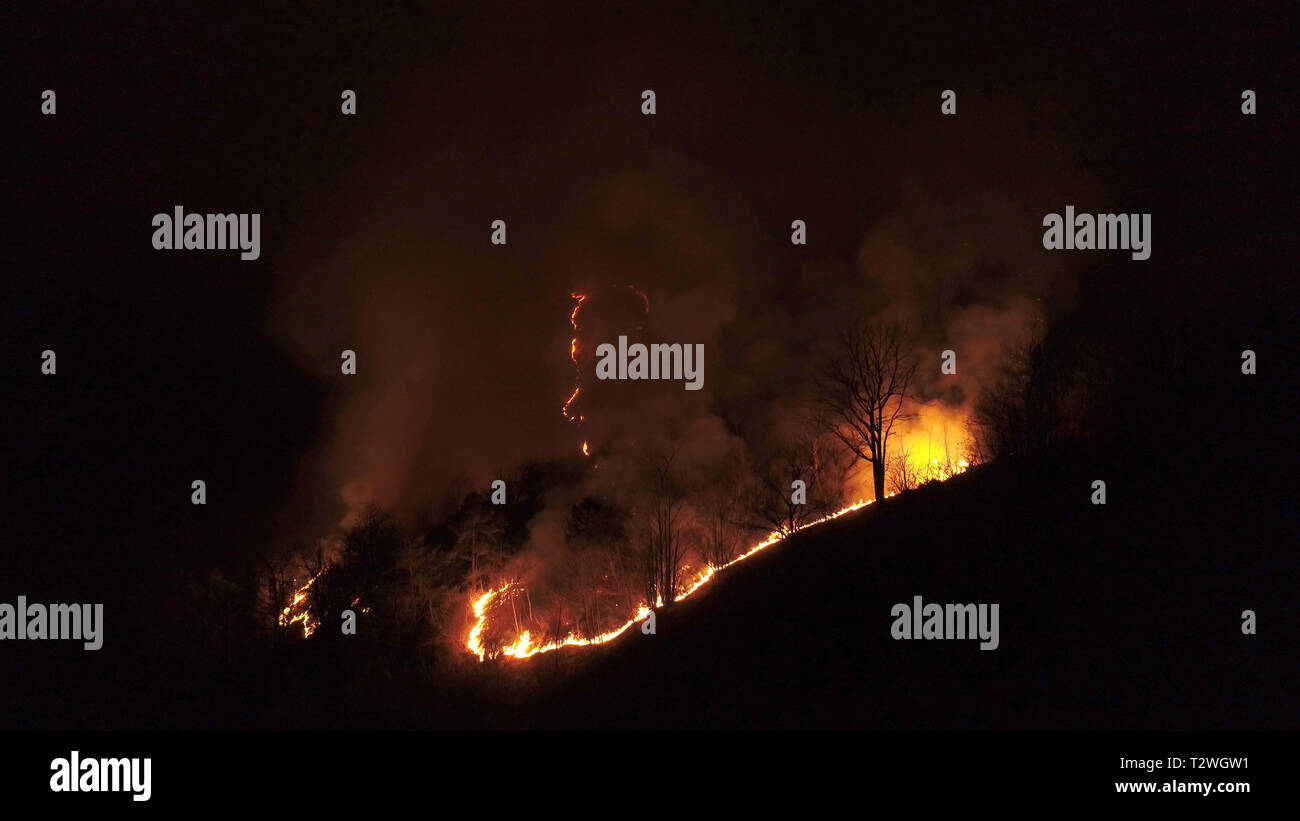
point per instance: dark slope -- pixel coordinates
(1122, 616)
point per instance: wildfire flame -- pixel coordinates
(303, 615)
(573, 356)
(579, 299)
(523, 647)
(931, 447)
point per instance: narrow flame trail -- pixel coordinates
(574, 347)
(523, 647)
(573, 357)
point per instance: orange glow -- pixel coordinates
(523, 647)
(475, 643)
(579, 300)
(936, 443)
(573, 317)
(565, 409)
(573, 357)
(303, 615)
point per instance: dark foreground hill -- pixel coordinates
(1127, 615)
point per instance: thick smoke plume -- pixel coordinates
(465, 349)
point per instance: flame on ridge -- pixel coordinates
(523, 646)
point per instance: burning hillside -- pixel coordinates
(523, 645)
(934, 463)
(597, 561)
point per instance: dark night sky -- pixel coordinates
(174, 366)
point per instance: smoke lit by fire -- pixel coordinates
(442, 405)
(524, 647)
(931, 444)
(934, 449)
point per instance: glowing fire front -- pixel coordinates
(297, 612)
(523, 646)
(928, 448)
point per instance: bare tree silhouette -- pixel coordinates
(863, 387)
(665, 522)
